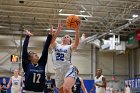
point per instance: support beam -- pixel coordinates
(93, 61)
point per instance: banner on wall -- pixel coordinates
(134, 83)
(131, 38)
(138, 34)
(138, 83)
(132, 42)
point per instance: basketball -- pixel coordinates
(72, 21)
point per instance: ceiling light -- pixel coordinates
(60, 10)
(82, 11)
(69, 30)
(111, 33)
(74, 14)
(134, 16)
(3, 27)
(50, 29)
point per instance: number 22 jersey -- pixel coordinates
(61, 55)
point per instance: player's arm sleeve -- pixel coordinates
(54, 83)
(44, 56)
(24, 52)
(76, 41)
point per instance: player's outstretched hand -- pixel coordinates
(59, 26)
(8, 86)
(51, 30)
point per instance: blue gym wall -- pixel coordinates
(88, 84)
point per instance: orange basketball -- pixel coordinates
(72, 21)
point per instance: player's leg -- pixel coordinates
(68, 83)
(60, 90)
(69, 80)
(59, 80)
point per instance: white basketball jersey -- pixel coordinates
(127, 90)
(16, 82)
(100, 82)
(61, 56)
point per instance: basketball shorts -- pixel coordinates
(62, 73)
(14, 90)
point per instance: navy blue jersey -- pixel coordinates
(77, 86)
(35, 73)
(49, 85)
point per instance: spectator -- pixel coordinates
(3, 86)
(100, 82)
(49, 84)
(127, 89)
(16, 81)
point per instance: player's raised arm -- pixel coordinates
(76, 42)
(44, 55)
(24, 50)
(25, 45)
(59, 28)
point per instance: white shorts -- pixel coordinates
(13, 90)
(62, 73)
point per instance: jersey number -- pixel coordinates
(75, 88)
(36, 78)
(60, 57)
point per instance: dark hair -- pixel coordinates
(70, 41)
(99, 69)
(77, 71)
(29, 55)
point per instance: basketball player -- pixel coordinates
(34, 67)
(78, 85)
(16, 81)
(100, 82)
(49, 84)
(65, 72)
(127, 89)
